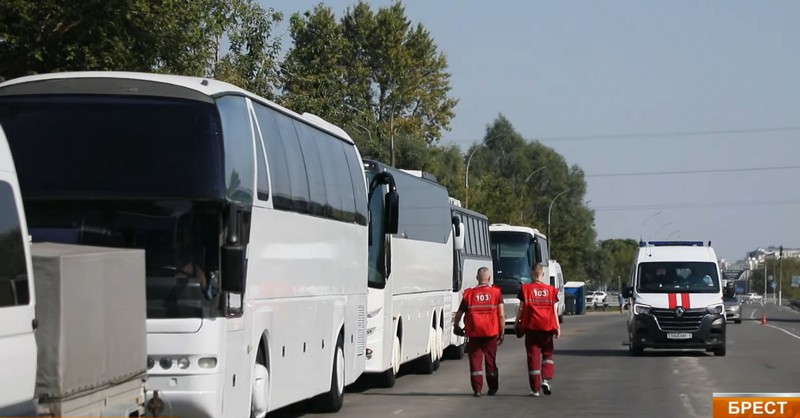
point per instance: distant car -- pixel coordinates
(597, 296)
(733, 309)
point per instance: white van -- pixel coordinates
(676, 298)
(17, 314)
(557, 281)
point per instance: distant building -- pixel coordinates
(760, 255)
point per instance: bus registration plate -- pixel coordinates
(679, 335)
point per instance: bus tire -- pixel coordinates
(426, 363)
(333, 399)
(455, 352)
(388, 377)
(259, 394)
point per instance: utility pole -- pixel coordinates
(780, 277)
(765, 282)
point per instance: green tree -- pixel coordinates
(373, 72)
(623, 252)
(252, 58)
(179, 37)
(516, 181)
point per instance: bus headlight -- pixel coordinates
(641, 309)
(207, 362)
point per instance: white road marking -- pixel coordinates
(688, 405)
(787, 332)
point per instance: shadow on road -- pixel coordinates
(451, 395)
(592, 352)
(623, 352)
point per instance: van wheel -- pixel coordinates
(720, 351)
(333, 399)
(561, 319)
(635, 350)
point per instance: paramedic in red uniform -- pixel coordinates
(484, 323)
(538, 319)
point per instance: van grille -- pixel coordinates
(669, 322)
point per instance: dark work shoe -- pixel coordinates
(476, 394)
(492, 392)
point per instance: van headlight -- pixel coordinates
(716, 309)
(641, 309)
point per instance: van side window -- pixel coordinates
(13, 270)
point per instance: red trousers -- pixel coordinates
(539, 347)
(478, 350)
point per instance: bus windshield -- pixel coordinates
(678, 277)
(105, 146)
(512, 257)
(127, 172)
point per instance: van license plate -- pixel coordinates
(679, 335)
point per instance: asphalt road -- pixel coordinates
(595, 375)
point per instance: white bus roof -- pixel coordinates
(205, 86)
(515, 228)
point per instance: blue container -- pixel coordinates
(580, 298)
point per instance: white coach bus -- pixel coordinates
(515, 249)
(253, 218)
(473, 254)
(410, 273)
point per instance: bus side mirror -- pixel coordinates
(233, 257)
(233, 268)
(458, 237)
(392, 209)
(537, 249)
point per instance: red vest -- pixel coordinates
(481, 319)
(537, 302)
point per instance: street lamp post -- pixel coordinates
(550, 210)
(661, 228)
(524, 187)
(466, 176)
(644, 224)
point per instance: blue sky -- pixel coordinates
(593, 68)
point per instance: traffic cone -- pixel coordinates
(763, 318)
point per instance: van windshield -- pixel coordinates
(678, 277)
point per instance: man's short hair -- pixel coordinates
(481, 271)
(537, 270)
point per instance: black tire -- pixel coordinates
(455, 353)
(386, 379)
(635, 350)
(720, 351)
(425, 364)
(561, 319)
(333, 399)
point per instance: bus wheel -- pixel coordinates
(258, 405)
(455, 352)
(425, 364)
(387, 378)
(333, 399)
